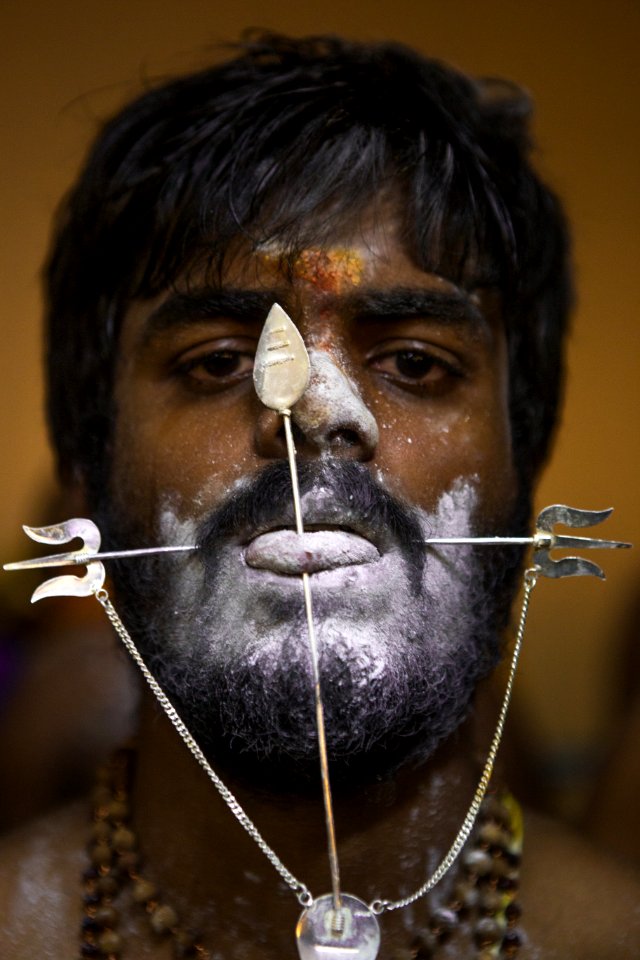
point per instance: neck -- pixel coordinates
(390, 835)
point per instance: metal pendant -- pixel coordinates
(281, 368)
(350, 933)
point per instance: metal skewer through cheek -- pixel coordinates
(543, 541)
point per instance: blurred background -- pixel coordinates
(64, 695)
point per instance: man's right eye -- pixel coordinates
(215, 368)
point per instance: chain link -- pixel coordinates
(303, 894)
(381, 906)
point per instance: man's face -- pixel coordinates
(407, 405)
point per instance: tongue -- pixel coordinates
(284, 551)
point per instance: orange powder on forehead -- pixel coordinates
(330, 271)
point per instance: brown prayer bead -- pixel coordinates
(491, 901)
(487, 932)
(163, 918)
(107, 886)
(513, 911)
(101, 830)
(106, 916)
(144, 890)
(444, 921)
(493, 834)
(123, 839)
(467, 895)
(118, 810)
(110, 942)
(477, 861)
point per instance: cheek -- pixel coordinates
(187, 462)
(420, 456)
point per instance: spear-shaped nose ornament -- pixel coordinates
(281, 367)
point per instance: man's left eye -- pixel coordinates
(415, 366)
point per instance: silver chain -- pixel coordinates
(302, 892)
(381, 906)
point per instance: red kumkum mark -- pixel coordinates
(331, 271)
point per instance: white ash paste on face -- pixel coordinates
(384, 652)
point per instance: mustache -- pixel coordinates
(351, 497)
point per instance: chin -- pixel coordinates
(390, 699)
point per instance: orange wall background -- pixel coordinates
(65, 64)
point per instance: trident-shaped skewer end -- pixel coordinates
(546, 540)
(68, 585)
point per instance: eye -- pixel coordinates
(221, 364)
(217, 365)
(416, 366)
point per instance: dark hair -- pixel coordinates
(285, 141)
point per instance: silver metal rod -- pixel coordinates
(79, 559)
(541, 540)
(141, 551)
(484, 541)
(322, 744)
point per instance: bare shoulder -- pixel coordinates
(40, 870)
(579, 901)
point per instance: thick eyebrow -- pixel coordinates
(182, 309)
(452, 306)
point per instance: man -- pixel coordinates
(387, 204)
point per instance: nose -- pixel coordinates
(330, 418)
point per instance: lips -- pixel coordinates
(289, 553)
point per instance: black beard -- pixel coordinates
(252, 711)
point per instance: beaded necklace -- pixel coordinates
(484, 896)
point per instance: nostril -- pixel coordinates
(343, 438)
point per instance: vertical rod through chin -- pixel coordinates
(322, 745)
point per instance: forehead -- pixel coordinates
(334, 248)
(330, 261)
(359, 269)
